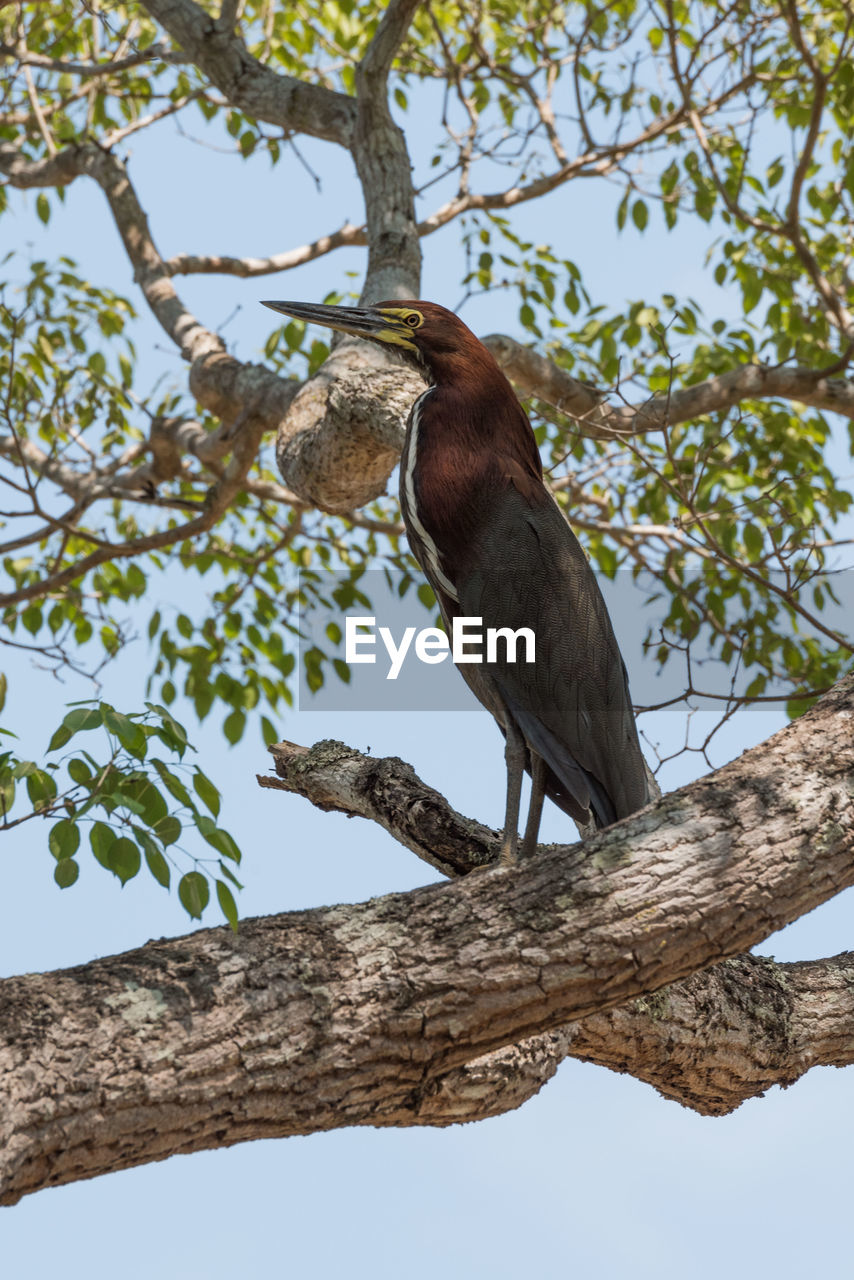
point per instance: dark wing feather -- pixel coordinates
(527, 569)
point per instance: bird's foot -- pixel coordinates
(507, 857)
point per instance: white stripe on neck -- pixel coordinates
(431, 551)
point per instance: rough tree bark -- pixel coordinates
(455, 1001)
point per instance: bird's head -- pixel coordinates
(424, 334)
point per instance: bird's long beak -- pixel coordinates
(382, 324)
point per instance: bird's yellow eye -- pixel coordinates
(401, 317)
(405, 315)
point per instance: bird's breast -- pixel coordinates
(461, 456)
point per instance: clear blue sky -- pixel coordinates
(596, 1176)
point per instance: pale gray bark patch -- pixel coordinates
(341, 438)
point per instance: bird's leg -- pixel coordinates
(535, 807)
(514, 755)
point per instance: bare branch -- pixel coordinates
(143, 122)
(202, 264)
(47, 136)
(154, 53)
(333, 776)
(217, 501)
(592, 164)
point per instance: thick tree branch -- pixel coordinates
(54, 171)
(340, 441)
(709, 1042)
(356, 1015)
(388, 37)
(248, 85)
(385, 170)
(536, 375)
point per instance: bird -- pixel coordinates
(493, 544)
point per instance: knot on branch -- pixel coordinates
(341, 437)
(169, 440)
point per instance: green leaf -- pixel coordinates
(219, 839)
(227, 904)
(206, 791)
(194, 893)
(753, 541)
(130, 735)
(229, 875)
(60, 737)
(234, 726)
(66, 872)
(43, 207)
(174, 733)
(82, 718)
(172, 784)
(622, 210)
(341, 670)
(7, 793)
(101, 838)
(123, 859)
(77, 720)
(640, 215)
(138, 793)
(63, 839)
(167, 829)
(154, 859)
(79, 771)
(41, 788)
(4, 685)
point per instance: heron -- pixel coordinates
(493, 544)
